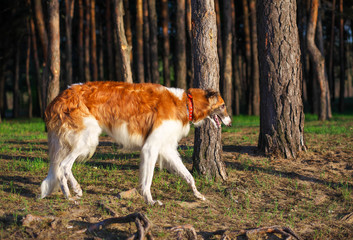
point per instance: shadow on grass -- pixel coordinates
(104, 233)
(13, 187)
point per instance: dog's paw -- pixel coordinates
(200, 196)
(155, 203)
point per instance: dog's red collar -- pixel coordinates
(190, 106)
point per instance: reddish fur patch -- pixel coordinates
(142, 106)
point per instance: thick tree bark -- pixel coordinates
(247, 40)
(53, 66)
(146, 42)
(153, 40)
(342, 58)
(180, 48)
(81, 49)
(109, 39)
(282, 115)
(227, 56)
(87, 40)
(28, 83)
(190, 61)
(318, 60)
(255, 62)
(69, 13)
(94, 42)
(208, 147)
(331, 73)
(16, 84)
(139, 39)
(123, 47)
(166, 46)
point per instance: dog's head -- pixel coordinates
(209, 104)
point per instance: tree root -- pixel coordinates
(143, 225)
(185, 231)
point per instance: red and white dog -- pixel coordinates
(149, 117)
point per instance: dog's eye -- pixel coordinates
(222, 106)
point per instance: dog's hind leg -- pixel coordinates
(149, 156)
(175, 164)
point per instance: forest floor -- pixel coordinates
(312, 195)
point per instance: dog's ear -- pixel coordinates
(212, 96)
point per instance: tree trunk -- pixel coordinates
(127, 21)
(342, 58)
(208, 147)
(153, 40)
(255, 62)
(236, 70)
(53, 65)
(219, 33)
(81, 49)
(87, 41)
(94, 42)
(190, 61)
(180, 48)
(41, 29)
(282, 115)
(139, 39)
(109, 38)
(247, 40)
(101, 51)
(16, 84)
(318, 59)
(331, 73)
(227, 55)
(28, 83)
(37, 65)
(166, 47)
(123, 47)
(146, 42)
(69, 13)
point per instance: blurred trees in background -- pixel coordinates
(158, 48)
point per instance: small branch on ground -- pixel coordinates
(143, 225)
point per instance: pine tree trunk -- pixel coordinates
(236, 70)
(219, 33)
(342, 58)
(16, 84)
(255, 63)
(127, 21)
(53, 66)
(101, 51)
(331, 73)
(109, 39)
(123, 47)
(139, 39)
(247, 40)
(180, 48)
(318, 60)
(153, 40)
(146, 42)
(41, 28)
(190, 61)
(166, 47)
(227, 56)
(69, 13)
(87, 41)
(81, 49)
(28, 83)
(94, 42)
(282, 115)
(208, 147)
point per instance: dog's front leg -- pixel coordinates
(149, 155)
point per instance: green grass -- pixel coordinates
(22, 130)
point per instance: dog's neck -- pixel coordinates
(189, 106)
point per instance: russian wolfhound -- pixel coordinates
(148, 117)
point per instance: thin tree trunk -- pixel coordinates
(2, 89)
(331, 73)
(208, 147)
(41, 29)
(28, 83)
(123, 47)
(317, 58)
(16, 85)
(127, 21)
(146, 42)
(219, 33)
(153, 40)
(236, 70)
(69, 13)
(108, 20)
(81, 49)
(342, 58)
(118, 69)
(282, 111)
(94, 42)
(247, 40)
(180, 48)
(139, 39)
(87, 41)
(227, 55)
(255, 63)
(190, 61)
(166, 46)
(100, 50)
(53, 65)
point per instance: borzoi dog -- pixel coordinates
(148, 117)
